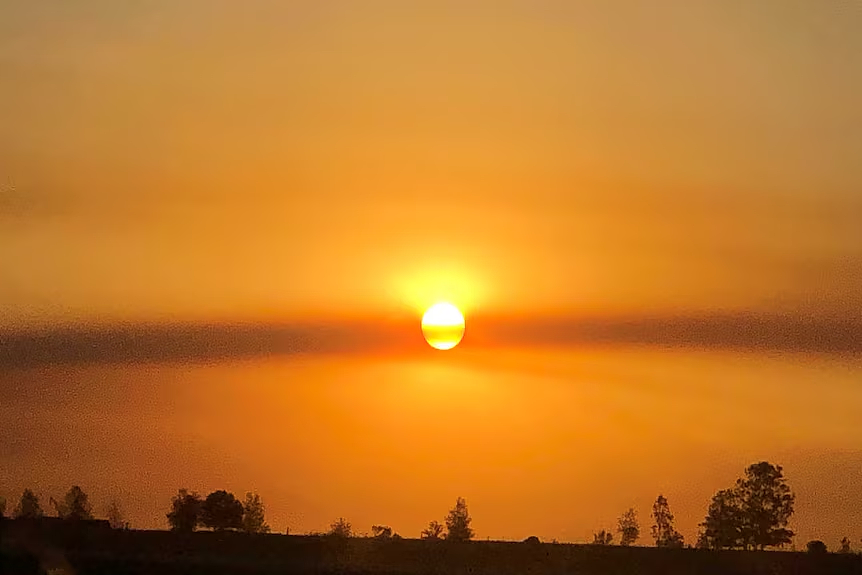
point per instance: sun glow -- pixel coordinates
(443, 326)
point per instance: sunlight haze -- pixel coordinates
(235, 214)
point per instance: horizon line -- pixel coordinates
(203, 342)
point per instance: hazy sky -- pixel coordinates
(276, 162)
(269, 159)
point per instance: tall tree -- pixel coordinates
(845, 546)
(185, 511)
(754, 514)
(253, 520)
(434, 531)
(722, 528)
(340, 528)
(458, 522)
(29, 507)
(767, 505)
(75, 505)
(603, 538)
(2, 507)
(663, 530)
(221, 510)
(115, 516)
(628, 527)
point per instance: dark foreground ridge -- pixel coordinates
(93, 548)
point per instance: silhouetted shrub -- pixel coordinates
(816, 546)
(603, 538)
(340, 528)
(433, 532)
(381, 532)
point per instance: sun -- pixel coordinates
(443, 326)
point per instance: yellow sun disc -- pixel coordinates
(443, 326)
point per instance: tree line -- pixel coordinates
(74, 506)
(219, 511)
(663, 530)
(752, 514)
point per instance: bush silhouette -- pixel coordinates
(816, 546)
(434, 531)
(340, 528)
(383, 532)
(603, 538)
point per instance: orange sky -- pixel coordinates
(275, 162)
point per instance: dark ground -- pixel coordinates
(95, 549)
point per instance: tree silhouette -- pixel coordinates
(115, 517)
(845, 546)
(663, 530)
(628, 527)
(722, 528)
(185, 511)
(754, 514)
(221, 510)
(458, 522)
(603, 538)
(75, 505)
(767, 505)
(253, 520)
(340, 528)
(28, 507)
(434, 531)
(2, 507)
(816, 546)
